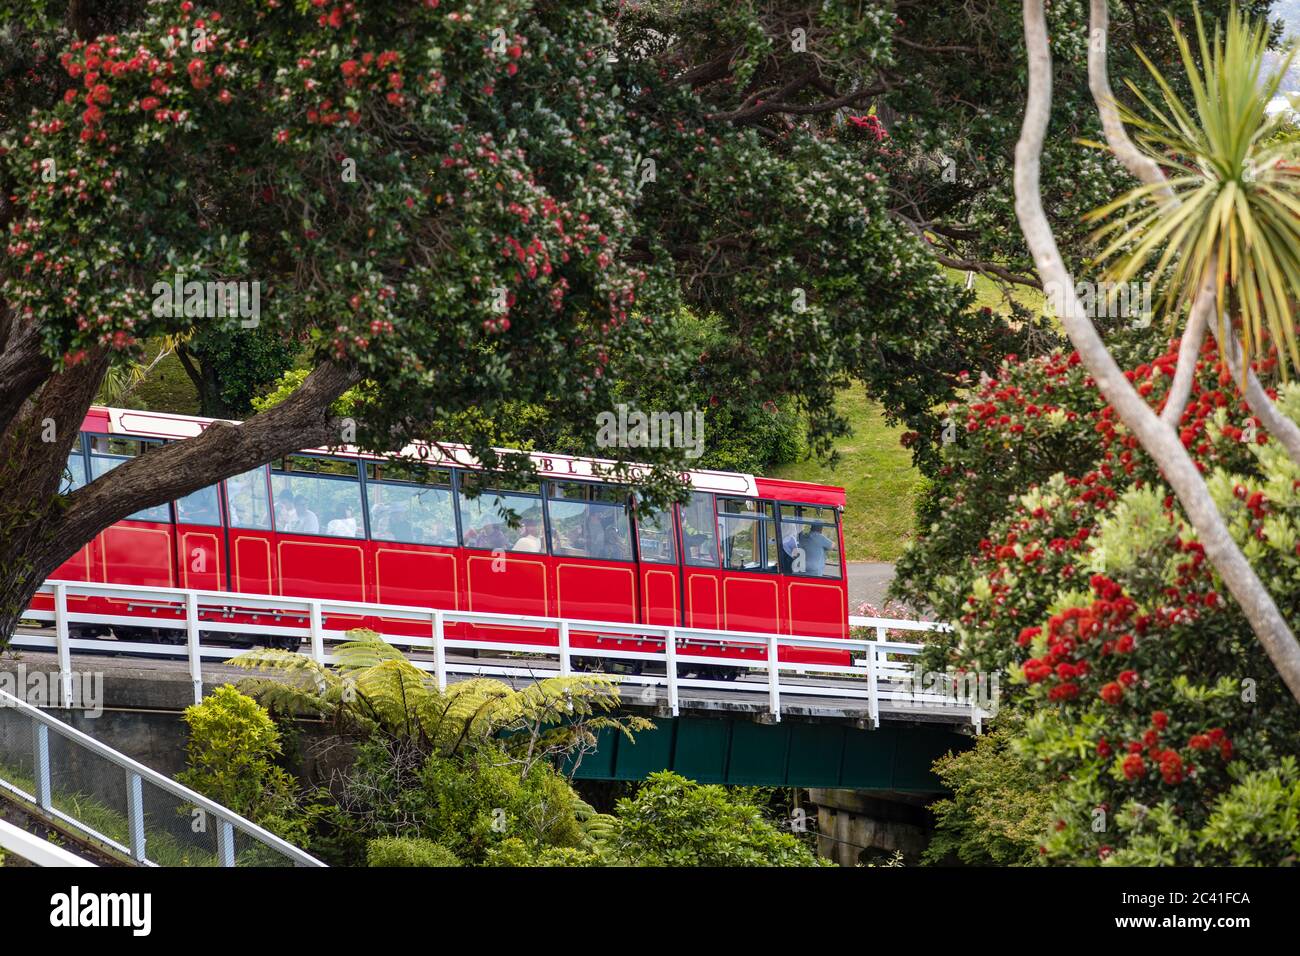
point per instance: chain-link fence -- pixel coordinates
(65, 774)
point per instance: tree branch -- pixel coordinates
(1143, 167)
(971, 265)
(767, 107)
(948, 48)
(1265, 409)
(1189, 350)
(222, 450)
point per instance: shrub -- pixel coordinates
(673, 821)
(515, 852)
(408, 851)
(469, 803)
(1000, 806)
(232, 746)
(1256, 823)
(1139, 681)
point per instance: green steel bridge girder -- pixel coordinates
(742, 752)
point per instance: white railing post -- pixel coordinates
(317, 633)
(135, 814)
(225, 842)
(566, 667)
(192, 644)
(439, 650)
(882, 634)
(41, 757)
(670, 667)
(61, 640)
(873, 685)
(773, 678)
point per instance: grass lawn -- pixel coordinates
(167, 389)
(877, 474)
(988, 294)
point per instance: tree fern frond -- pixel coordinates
(375, 688)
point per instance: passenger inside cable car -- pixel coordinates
(815, 545)
(344, 526)
(531, 539)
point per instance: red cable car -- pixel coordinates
(743, 554)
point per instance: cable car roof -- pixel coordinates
(122, 421)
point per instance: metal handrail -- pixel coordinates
(35, 850)
(137, 774)
(190, 604)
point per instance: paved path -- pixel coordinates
(867, 582)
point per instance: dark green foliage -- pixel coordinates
(672, 821)
(1000, 804)
(228, 369)
(747, 426)
(469, 804)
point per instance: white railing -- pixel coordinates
(34, 850)
(91, 787)
(872, 680)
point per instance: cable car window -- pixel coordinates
(810, 541)
(655, 540)
(700, 531)
(484, 520)
(107, 452)
(589, 521)
(74, 476)
(748, 532)
(247, 500)
(199, 507)
(317, 496)
(410, 503)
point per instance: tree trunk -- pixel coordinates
(1157, 437)
(204, 378)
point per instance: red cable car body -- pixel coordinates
(744, 554)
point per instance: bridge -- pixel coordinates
(864, 725)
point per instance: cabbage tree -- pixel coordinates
(1226, 129)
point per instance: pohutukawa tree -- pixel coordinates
(1226, 220)
(444, 205)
